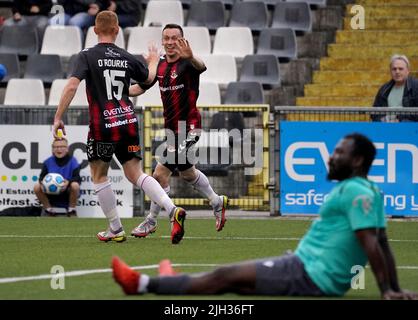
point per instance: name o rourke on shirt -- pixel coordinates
(113, 63)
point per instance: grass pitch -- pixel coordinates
(30, 247)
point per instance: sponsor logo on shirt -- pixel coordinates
(120, 123)
(134, 148)
(364, 202)
(117, 111)
(172, 88)
(110, 53)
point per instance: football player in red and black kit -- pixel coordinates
(113, 126)
(178, 75)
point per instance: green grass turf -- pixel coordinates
(31, 256)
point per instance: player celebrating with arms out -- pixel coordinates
(113, 126)
(178, 75)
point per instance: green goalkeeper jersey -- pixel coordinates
(330, 249)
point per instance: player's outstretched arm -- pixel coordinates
(198, 63)
(185, 51)
(135, 90)
(152, 58)
(67, 96)
(384, 244)
(369, 240)
(393, 276)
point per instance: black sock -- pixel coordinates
(169, 284)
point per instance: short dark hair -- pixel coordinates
(174, 26)
(363, 147)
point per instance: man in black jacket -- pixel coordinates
(401, 91)
(128, 11)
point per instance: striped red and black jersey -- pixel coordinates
(179, 88)
(108, 71)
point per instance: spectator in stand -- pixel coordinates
(30, 12)
(80, 13)
(400, 91)
(128, 11)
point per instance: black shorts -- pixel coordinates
(177, 155)
(61, 200)
(124, 150)
(284, 276)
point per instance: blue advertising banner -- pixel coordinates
(305, 148)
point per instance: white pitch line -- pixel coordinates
(238, 238)
(43, 236)
(404, 267)
(186, 237)
(77, 273)
(152, 266)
